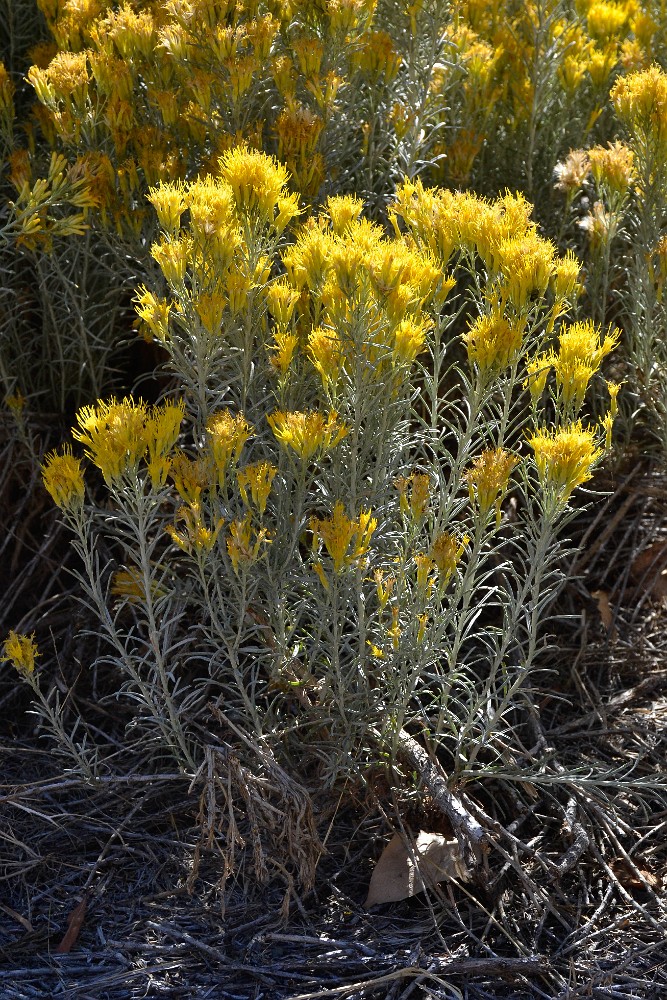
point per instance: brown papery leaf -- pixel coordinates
(629, 878)
(601, 598)
(74, 924)
(396, 875)
(649, 568)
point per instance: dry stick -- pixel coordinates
(451, 967)
(618, 701)
(470, 834)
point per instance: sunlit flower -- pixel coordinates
(114, 436)
(169, 202)
(63, 478)
(162, 430)
(493, 342)
(343, 209)
(612, 167)
(283, 348)
(154, 312)
(409, 340)
(194, 534)
(281, 298)
(564, 457)
(582, 348)
(257, 180)
(307, 433)
(325, 350)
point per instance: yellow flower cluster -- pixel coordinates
(493, 341)
(117, 436)
(640, 101)
(564, 458)
(521, 263)
(226, 435)
(488, 479)
(307, 434)
(21, 652)
(346, 541)
(581, 350)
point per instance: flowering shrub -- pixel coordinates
(336, 519)
(309, 534)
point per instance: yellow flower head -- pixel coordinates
(538, 369)
(162, 430)
(343, 209)
(606, 20)
(488, 479)
(307, 433)
(114, 436)
(409, 340)
(493, 341)
(564, 457)
(243, 549)
(227, 434)
(283, 348)
(168, 200)
(527, 265)
(581, 351)
(154, 312)
(211, 204)
(565, 279)
(259, 478)
(325, 350)
(21, 652)
(446, 552)
(257, 180)
(640, 101)
(614, 388)
(612, 167)
(194, 534)
(210, 307)
(63, 478)
(281, 298)
(345, 540)
(308, 261)
(173, 257)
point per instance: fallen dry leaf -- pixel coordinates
(601, 598)
(629, 878)
(74, 924)
(649, 568)
(396, 876)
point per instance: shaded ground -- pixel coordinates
(570, 904)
